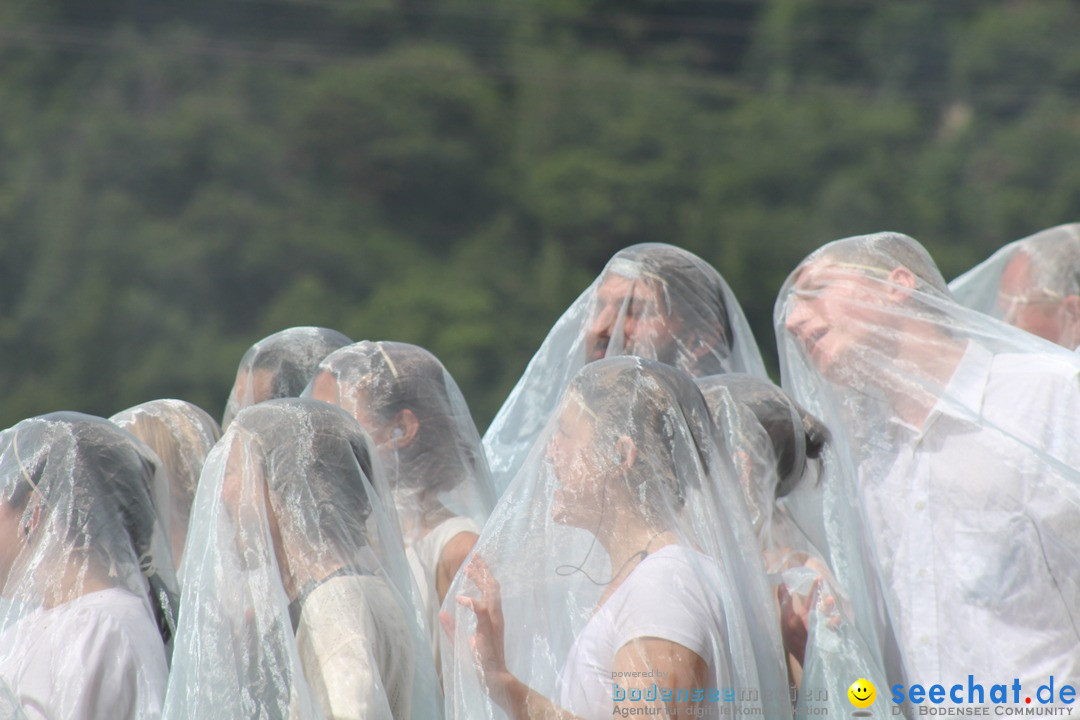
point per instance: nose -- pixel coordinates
(603, 322)
(797, 314)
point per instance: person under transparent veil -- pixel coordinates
(651, 300)
(296, 600)
(418, 419)
(778, 447)
(181, 435)
(611, 578)
(1033, 283)
(87, 590)
(279, 365)
(957, 436)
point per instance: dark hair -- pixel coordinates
(794, 434)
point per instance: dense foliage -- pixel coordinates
(178, 180)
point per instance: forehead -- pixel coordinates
(822, 273)
(616, 289)
(1015, 275)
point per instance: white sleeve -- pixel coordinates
(666, 601)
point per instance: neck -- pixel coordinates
(927, 366)
(627, 548)
(80, 575)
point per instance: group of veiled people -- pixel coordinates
(650, 526)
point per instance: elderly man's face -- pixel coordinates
(648, 330)
(835, 312)
(1039, 312)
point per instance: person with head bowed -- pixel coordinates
(611, 577)
(1033, 283)
(413, 410)
(87, 590)
(653, 301)
(960, 435)
(296, 597)
(280, 365)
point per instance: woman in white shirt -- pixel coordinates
(429, 448)
(609, 579)
(85, 574)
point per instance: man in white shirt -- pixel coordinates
(965, 442)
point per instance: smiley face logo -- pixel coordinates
(862, 693)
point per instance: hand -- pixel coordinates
(488, 642)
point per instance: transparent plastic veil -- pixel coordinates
(427, 441)
(87, 589)
(280, 365)
(777, 449)
(297, 600)
(955, 476)
(181, 435)
(652, 300)
(1033, 283)
(614, 568)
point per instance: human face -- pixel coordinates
(833, 310)
(577, 497)
(325, 388)
(648, 330)
(1038, 312)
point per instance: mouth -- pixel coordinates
(811, 341)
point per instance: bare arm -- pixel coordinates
(674, 667)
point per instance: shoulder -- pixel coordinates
(671, 595)
(351, 608)
(104, 650)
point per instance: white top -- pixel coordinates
(98, 656)
(423, 557)
(977, 534)
(355, 650)
(663, 597)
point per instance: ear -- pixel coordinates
(1070, 330)
(902, 282)
(404, 429)
(627, 450)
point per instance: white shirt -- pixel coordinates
(98, 656)
(356, 651)
(423, 557)
(977, 525)
(663, 597)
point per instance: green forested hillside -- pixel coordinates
(178, 180)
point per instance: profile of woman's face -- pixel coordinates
(578, 495)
